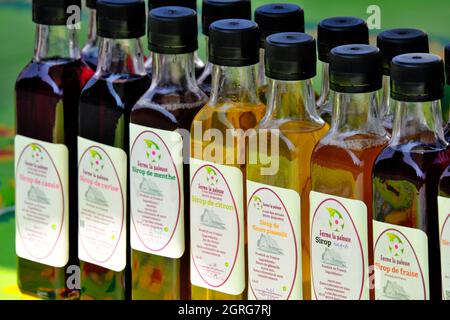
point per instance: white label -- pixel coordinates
(42, 226)
(156, 191)
(401, 262)
(102, 181)
(444, 229)
(217, 227)
(274, 243)
(339, 248)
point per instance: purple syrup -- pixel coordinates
(406, 181)
(105, 107)
(40, 88)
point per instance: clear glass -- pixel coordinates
(120, 56)
(204, 80)
(343, 159)
(406, 176)
(387, 105)
(325, 100)
(56, 42)
(234, 104)
(171, 103)
(262, 79)
(198, 63)
(105, 107)
(47, 94)
(90, 51)
(292, 113)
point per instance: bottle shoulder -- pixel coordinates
(404, 162)
(118, 92)
(353, 140)
(53, 75)
(166, 112)
(231, 115)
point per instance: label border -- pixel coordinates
(179, 192)
(63, 202)
(123, 205)
(359, 242)
(293, 233)
(238, 228)
(414, 251)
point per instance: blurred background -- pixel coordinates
(16, 50)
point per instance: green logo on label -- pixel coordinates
(336, 220)
(96, 161)
(257, 203)
(395, 245)
(36, 153)
(153, 152)
(212, 178)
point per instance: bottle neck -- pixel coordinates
(325, 85)
(419, 122)
(234, 84)
(92, 32)
(56, 42)
(120, 56)
(207, 71)
(385, 96)
(356, 112)
(293, 100)
(262, 79)
(174, 70)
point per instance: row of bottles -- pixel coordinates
(247, 193)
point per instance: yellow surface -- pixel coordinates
(8, 286)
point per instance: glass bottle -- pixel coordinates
(444, 231)
(89, 53)
(341, 197)
(160, 121)
(405, 183)
(105, 107)
(217, 164)
(446, 100)
(47, 93)
(213, 10)
(191, 4)
(279, 181)
(394, 42)
(334, 32)
(274, 18)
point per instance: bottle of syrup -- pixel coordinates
(274, 18)
(47, 92)
(213, 10)
(444, 231)
(341, 200)
(105, 107)
(191, 4)
(159, 179)
(89, 53)
(394, 42)
(278, 200)
(331, 33)
(217, 164)
(405, 183)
